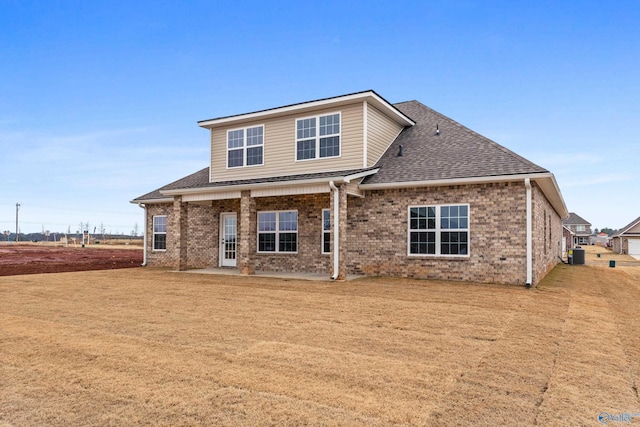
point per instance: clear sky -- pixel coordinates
(99, 100)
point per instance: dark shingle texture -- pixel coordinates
(457, 152)
(575, 219)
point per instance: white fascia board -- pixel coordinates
(305, 106)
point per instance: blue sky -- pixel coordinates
(99, 100)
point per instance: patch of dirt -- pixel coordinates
(30, 259)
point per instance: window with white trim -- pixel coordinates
(439, 230)
(318, 137)
(326, 231)
(160, 233)
(278, 231)
(245, 147)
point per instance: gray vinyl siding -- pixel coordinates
(381, 133)
(280, 147)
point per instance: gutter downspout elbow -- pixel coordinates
(144, 235)
(336, 230)
(527, 184)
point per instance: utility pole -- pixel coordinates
(17, 209)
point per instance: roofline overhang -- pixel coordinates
(546, 181)
(145, 201)
(265, 185)
(369, 96)
(627, 228)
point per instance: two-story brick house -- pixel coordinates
(580, 229)
(354, 184)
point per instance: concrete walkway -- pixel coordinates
(279, 275)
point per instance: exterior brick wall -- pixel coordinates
(159, 258)
(309, 257)
(376, 239)
(547, 235)
(496, 227)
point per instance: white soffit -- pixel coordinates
(290, 191)
(198, 197)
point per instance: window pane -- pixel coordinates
(330, 147)
(326, 220)
(330, 125)
(306, 128)
(326, 243)
(422, 242)
(454, 243)
(288, 221)
(254, 156)
(159, 224)
(306, 149)
(288, 242)
(267, 242)
(235, 138)
(159, 241)
(254, 136)
(235, 158)
(266, 221)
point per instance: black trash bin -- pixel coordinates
(578, 256)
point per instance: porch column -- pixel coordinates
(342, 235)
(180, 231)
(247, 233)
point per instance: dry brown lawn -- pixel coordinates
(152, 347)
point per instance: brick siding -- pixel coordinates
(376, 238)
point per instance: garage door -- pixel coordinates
(634, 246)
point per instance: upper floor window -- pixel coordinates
(581, 228)
(439, 230)
(159, 232)
(245, 147)
(318, 137)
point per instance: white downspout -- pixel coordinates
(144, 235)
(527, 184)
(336, 230)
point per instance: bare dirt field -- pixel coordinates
(31, 259)
(152, 347)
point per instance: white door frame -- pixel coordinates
(228, 250)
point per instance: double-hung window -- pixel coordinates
(439, 230)
(318, 137)
(159, 232)
(245, 147)
(326, 231)
(278, 231)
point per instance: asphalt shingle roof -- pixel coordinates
(575, 219)
(626, 228)
(456, 152)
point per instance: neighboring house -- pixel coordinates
(580, 228)
(354, 184)
(600, 239)
(627, 239)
